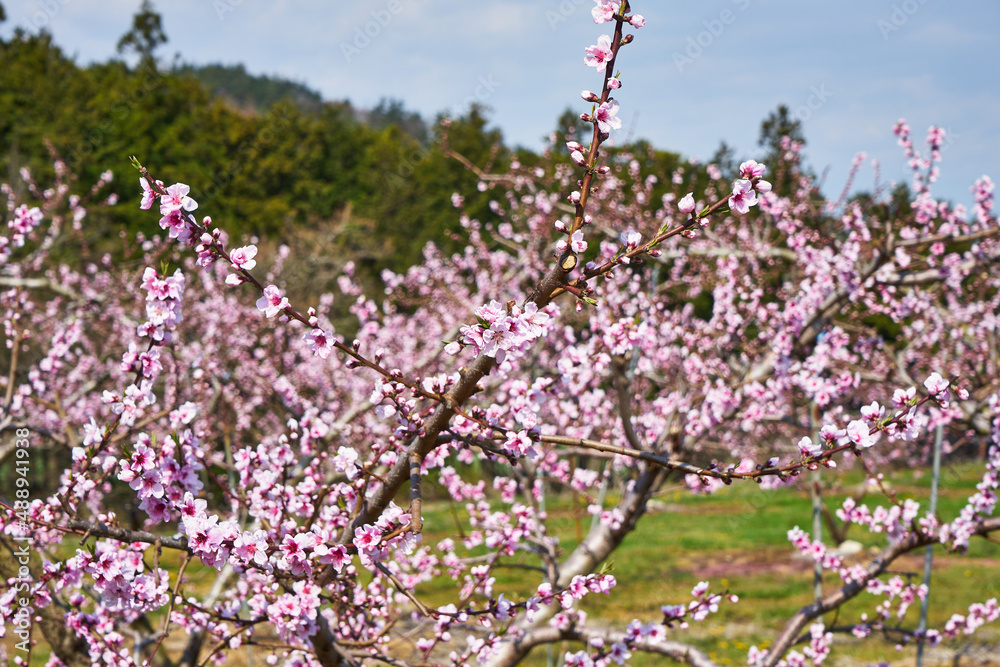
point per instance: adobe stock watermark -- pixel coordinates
(818, 96)
(901, 14)
(364, 34)
(714, 28)
(22, 536)
(562, 11)
(223, 7)
(47, 10)
(949, 139)
(486, 85)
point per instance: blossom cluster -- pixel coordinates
(500, 331)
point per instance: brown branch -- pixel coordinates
(416, 521)
(878, 566)
(622, 385)
(123, 535)
(676, 651)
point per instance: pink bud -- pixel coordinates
(686, 204)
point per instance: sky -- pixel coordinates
(699, 73)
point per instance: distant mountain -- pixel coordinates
(247, 91)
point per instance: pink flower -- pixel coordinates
(902, 397)
(637, 20)
(156, 508)
(148, 194)
(176, 199)
(346, 462)
(808, 448)
(272, 302)
(631, 238)
(686, 204)
(320, 342)
(599, 54)
(577, 244)
(491, 312)
(148, 485)
(243, 258)
(743, 197)
(936, 384)
(367, 537)
(336, 555)
(831, 433)
(605, 10)
(143, 457)
(857, 432)
(251, 547)
(504, 605)
(873, 412)
(620, 653)
(752, 169)
(607, 118)
(534, 319)
(519, 443)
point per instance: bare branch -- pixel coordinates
(114, 532)
(676, 651)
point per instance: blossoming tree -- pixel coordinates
(264, 447)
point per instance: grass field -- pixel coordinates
(736, 539)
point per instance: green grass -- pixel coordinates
(737, 539)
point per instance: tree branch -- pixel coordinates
(798, 622)
(676, 651)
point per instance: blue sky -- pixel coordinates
(697, 74)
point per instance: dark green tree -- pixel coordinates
(391, 111)
(570, 127)
(776, 126)
(144, 37)
(725, 159)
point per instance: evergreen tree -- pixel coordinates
(773, 130)
(570, 127)
(145, 36)
(391, 111)
(775, 127)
